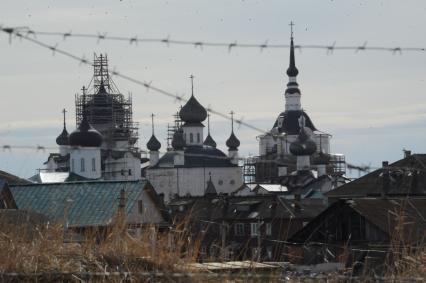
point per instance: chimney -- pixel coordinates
(407, 153)
(385, 178)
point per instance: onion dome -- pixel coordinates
(178, 143)
(232, 142)
(62, 139)
(85, 135)
(304, 145)
(322, 159)
(209, 141)
(193, 111)
(153, 144)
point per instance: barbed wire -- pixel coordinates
(147, 85)
(200, 44)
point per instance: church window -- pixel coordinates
(191, 137)
(93, 164)
(198, 137)
(82, 169)
(130, 172)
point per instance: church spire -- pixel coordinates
(292, 93)
(292, 71)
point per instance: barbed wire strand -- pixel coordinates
(115, 72)
(199, 44)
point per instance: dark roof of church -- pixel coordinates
(406, 177)
(290, 124)
(197, 156)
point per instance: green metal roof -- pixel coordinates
(85, 203)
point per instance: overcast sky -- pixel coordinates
(371, 102)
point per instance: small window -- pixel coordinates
(93, 165)
(130, 172)
(198, 137)
(268, 229)
(239, 229)
(220, 182)
(254, 229)
(140, 206)
(82, 169)
(122, 172)
(191, 137)
(232, 182)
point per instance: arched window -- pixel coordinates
(82, 165)
(198, 137)
(93, 164)
(191, 137)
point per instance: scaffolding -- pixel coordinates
(171, 129)
(106, 109)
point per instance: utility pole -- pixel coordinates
(223, 228)
(258, 240)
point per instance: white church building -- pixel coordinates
(193, 161)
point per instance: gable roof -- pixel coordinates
(407, 177)
(382, 213)
(196, 156)
(84, 203)
(12, 179)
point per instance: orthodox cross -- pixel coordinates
(232, 120)
(192, 84)
(64, 111)
(152, 123)
(291, 28)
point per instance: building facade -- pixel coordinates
(193, 159)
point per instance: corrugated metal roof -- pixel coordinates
(84, 203)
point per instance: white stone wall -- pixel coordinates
(193, 181)
(118, 169)
(197, 135)
(87, 154)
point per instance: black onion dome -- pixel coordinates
(232, 142)
(62, 139)
(193, 111)
(153, 144)
(178, 143)
(292, 71)
(85, 135)
(304, 145)
(209, 141)
(322, 159)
